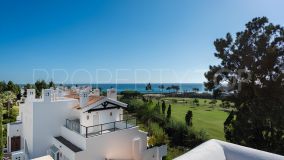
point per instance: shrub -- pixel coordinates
(174, 101)
(169, 112)
(158, 136)
(163, 107)
(181, 135)
(130, 94)
(196, 102)
(188, 118)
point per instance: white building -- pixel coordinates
(77, 127)
(219, 150)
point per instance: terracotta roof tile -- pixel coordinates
(72, 94)
(92, 99)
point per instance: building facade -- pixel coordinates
(77, 125)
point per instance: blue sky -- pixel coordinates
(119, 40)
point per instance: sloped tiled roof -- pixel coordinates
(72, 94)
(92, 99)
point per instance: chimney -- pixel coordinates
(112, 94)
(84, 97)
(47, 95)
(31, 94)
(96, 92)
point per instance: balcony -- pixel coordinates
(95, 130)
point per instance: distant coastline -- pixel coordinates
(141, 87)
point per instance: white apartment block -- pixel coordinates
(78, 125)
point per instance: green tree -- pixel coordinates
(1, 131)
(130, 94)
(169, 88)
(196, 102)
(3, 86)
(148, 87)
(157, 108)
(11, 87)
(213, 103)
(169, 112)
(14, 88)
(27, 86)
(188, 118)
(195, 89)
(162, 87)
(40, 85)
(175, 87)
(163, 107)
(225, 104)
(228, 125)
(252, 68)
(51, 84)
(8, 99)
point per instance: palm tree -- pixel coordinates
(148, 87)
(195, 89)
(175, 87)
(162, 87)
(169, 89)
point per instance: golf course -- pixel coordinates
(206, 116)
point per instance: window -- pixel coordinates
(110, 113)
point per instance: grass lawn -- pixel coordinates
(205, 117)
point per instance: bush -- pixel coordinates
(188, 118)
(130, 94)
(164, 130)
(196, 102)
(195, 138)
(158, 136)
(174, 152)
(174, 100)
(181, 135)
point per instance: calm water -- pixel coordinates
(142, 87)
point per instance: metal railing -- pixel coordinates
(95, 130)
(89, 131)
(73, 125)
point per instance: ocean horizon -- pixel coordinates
(141, 87)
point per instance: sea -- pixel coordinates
(141, 87)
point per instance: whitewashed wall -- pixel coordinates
(64, 150)
(104, 117)
(14, 129)
(42, 120)
(114, 145)
(27, 122)
(74, 138)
